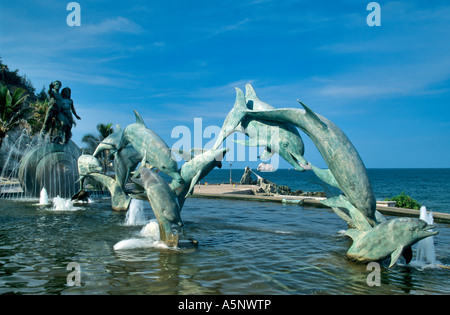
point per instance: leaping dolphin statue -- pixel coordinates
(388, 239)
(151, 147)
(346, 168)
(125, 160)
(89, 167)
(280, 138)
(163, 201)
(197, 168)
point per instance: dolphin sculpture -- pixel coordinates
(197, 168)
(89, 167)
(388, 239)
(163, 201)
(280, 138)
(152, 147)
(346, 168)
(125, 160)
(88, 164)
(111, 142)
(119, 199)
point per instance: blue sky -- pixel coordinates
(386, 87)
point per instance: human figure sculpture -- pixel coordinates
(67, 109)
(54, 107)
(59, 120)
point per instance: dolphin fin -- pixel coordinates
(80, 178)
(313, 115)
(395, 255)
(358, 219)
(233, 119)
(354, 234)
(193, 183)
(267, 154)
(407, 254)
(142, 164)
(139, 119)
(240, 105)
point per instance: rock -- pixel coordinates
(247, 178)
(268, 188)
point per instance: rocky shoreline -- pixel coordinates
(268, 188)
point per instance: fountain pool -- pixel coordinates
(236, 255)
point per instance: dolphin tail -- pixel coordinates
(233, 119)
(250, 95)
(396, 255)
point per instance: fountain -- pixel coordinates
(43, 199)
(425, 254)
(135, 214)
(50, 159)
(62, 204)
(56, 163)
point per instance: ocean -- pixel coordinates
(429, 186)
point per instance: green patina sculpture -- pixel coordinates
(374, 238)
(53, 165)
(125, 160)
(58, 121)
(166, 200)
(346, 168)
(89, 167)
(197, 168)
(164, 203)
(151, 146)
(276, 137)
(391, 238)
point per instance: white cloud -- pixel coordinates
(113, 25)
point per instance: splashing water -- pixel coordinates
(425, 255)
(135, 214)
(61, 204)
(43, 198)
(149, 238)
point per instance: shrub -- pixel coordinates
(405, 201)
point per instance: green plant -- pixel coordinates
(405, 201)
(13, 109)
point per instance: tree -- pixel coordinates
(13, 109)
(36, 120)
(93, 140)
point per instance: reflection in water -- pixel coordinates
(244, 248)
